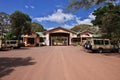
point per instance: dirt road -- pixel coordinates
(58, 63)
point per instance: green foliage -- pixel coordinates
(100, 12)
(77, 4)
(77, 43)
(108, 19)
(36, 27)
(20, 23)
(4, 22)
(10, 36)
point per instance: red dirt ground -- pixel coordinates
(58, 63)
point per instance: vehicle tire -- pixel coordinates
(18, 47)
(93, 51)
(11, 48)
(100, 50)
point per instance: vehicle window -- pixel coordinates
(98, 42)
(106, 42)
(13, 42)
(89, 42)
(7, 42)
(112, 43)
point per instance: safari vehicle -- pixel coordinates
(101, 45)
(3, 46)
(12, 44)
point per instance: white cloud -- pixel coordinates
(59, 16)
(50, 28)
(67, 20)
(68, 26)
(91, 16)
(26, 6)
(32, 7)
(86, 21)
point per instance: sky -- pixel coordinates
(49, 13)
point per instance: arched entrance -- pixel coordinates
(59, 39)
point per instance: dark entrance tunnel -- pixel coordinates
(59, 39)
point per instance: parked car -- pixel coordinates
(12, 44)
(101, 45)
(3, 45)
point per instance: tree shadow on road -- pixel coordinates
(7, 65)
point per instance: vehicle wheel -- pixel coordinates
(18, 47)
(11, 48)
(93, 51)
(100, 50)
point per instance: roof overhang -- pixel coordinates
(59, 28)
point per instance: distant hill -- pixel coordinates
(83, 27)
(3, 14)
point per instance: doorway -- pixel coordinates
(59, 39)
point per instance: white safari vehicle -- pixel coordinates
(3, 45)
(101, 45)
(12, 44)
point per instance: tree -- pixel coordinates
(4, 23)
(77, 4)
(108, 19)
(9, 36)
(36, 27)
(20, 23)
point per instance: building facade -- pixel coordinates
(59, 36)
(84, 35)
(31, 40)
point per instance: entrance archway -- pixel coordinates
(59, 39)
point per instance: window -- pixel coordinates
(89, 42)
(7, 42)
(106, 42)
(98, 42)
(13, 42)
(31, 41)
